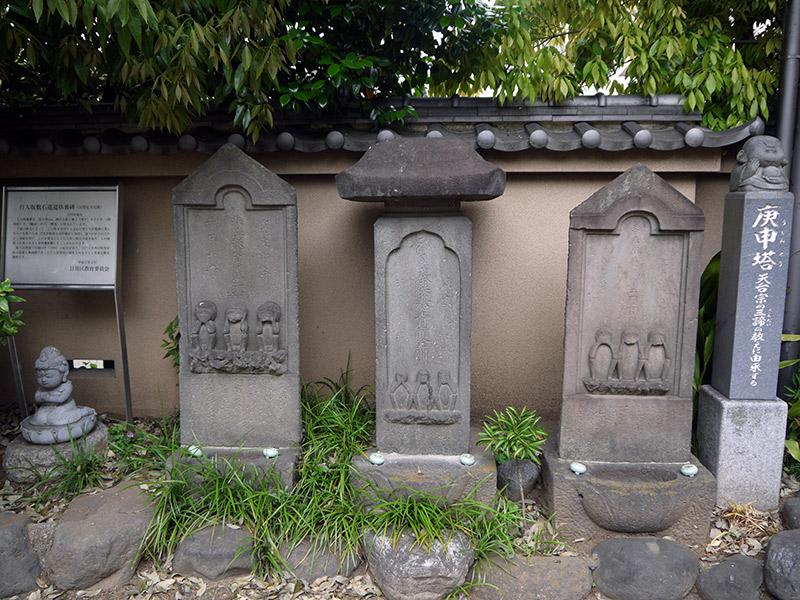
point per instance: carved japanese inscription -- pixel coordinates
(422, 303)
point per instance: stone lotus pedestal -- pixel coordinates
(632, 289)
(423, 312)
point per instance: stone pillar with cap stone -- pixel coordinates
(741, 424)
(423, 312)
(236, 263)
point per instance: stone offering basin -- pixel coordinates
(636, 498)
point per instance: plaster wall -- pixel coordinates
(519, 271)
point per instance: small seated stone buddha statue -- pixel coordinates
(57, 419)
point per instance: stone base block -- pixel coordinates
(741, 443)
(284, 465)
(626, 428)
(445, 477)
(626, 499)
(20, 456)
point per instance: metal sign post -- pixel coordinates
(66, 238)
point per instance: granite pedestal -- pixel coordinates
(741, 424)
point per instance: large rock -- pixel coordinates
(19, 565)
(407, 570)
(99, 537)
(737, 578)
(215, 552)
(790, 514)
(20, 456)
(309, 562)
(782, 565)
(644, 569)
(531, 578)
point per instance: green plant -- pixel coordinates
(513, 435)
(706, 322)
(792, 443)
(172, 343)
(323, 506)
(144, 451)
(81, 470)
(338, 423)
(490, 528)
(9, 321)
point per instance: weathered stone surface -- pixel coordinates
(421, 169)
(98, 537)
(406, 570)
(531, 578)
(644, 569)
(756, 233)
(423, 320)
(790, 513)
(512, 473)
(258, 469)
(236, 267)
(215, 552)
(636, 498)
(623, 502)
(441, 476)
(743, 446)
(19, 565)
(309, 562)
(57, 419)
(19, 452)
(782, 565)
(737, 578)
(632, 288)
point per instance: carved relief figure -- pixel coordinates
(204, 329)
(630, 361)
(446, 393)
(425, 405)
(628, 370)
(269, 315)
(235, 331)
(657, 357)
(422, 395)
(398, 392)
(602, 358)
(760, 166)
(57, 417)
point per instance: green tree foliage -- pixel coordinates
(164, 62)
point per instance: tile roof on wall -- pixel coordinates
(604, 123)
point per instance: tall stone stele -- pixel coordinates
(423, 308)
(631, 318)
(741, 422)
(236, 261)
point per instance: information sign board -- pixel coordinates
(60, 236)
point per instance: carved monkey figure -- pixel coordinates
(760, 166)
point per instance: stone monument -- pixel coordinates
(236, 259)
(741, 423)
(631, 319)
(423, 311)
(57, 428)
